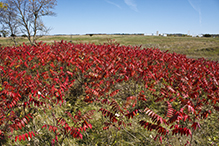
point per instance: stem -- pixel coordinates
(191, 138)
(14, 39)
(131, 135)
(192, 134)
(61, 141)
(143, 136)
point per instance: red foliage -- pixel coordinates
(34, 75)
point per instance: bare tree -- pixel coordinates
(41, 8)
(8, 19)
(30, 13)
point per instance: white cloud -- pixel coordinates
(113, 3)
(196, 6)
(131, 4)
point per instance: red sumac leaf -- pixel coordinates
(195, 124)
(114, 93)
(171, 89)
(80, 136)
(132, 73)
(25, 63)
(90, 126)
(156, 137)
(30, 134)
(20, 137)
(54, 129)
(126, 78)
(30, 116)
(56, 138)
(22, 123)
(52, 65)
(215, 81)
(26, 135)
(23, 136)
(160, 139)
(188, 132)
(53, 142)
(105, 128)
(187, 143)
(44, 126)
(50, 127)
(26, 119)
(19, 125)
(70, 73)
(170, 110)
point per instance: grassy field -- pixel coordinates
(135, 135)
(193, 47)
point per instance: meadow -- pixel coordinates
(115, 90)
(193, 47)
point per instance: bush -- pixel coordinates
(106, 94)
(206, 35)
(13, 35)
(24, 35)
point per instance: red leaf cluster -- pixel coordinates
(39, 76)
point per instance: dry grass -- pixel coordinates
(192, 47)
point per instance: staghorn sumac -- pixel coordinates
(163, 92)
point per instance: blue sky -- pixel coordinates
(134, 16)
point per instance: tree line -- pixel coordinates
(25, 17)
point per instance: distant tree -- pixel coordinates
(29, 14)
(24, 35)
(4, 33)
(206, 35)
(13, 35)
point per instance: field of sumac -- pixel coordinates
(107, 94)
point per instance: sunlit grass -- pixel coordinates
(193, 47)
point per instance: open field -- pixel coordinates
(88, 94)
(192, 47)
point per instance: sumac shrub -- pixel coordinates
(68, 88)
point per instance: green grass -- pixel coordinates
(192, 47)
